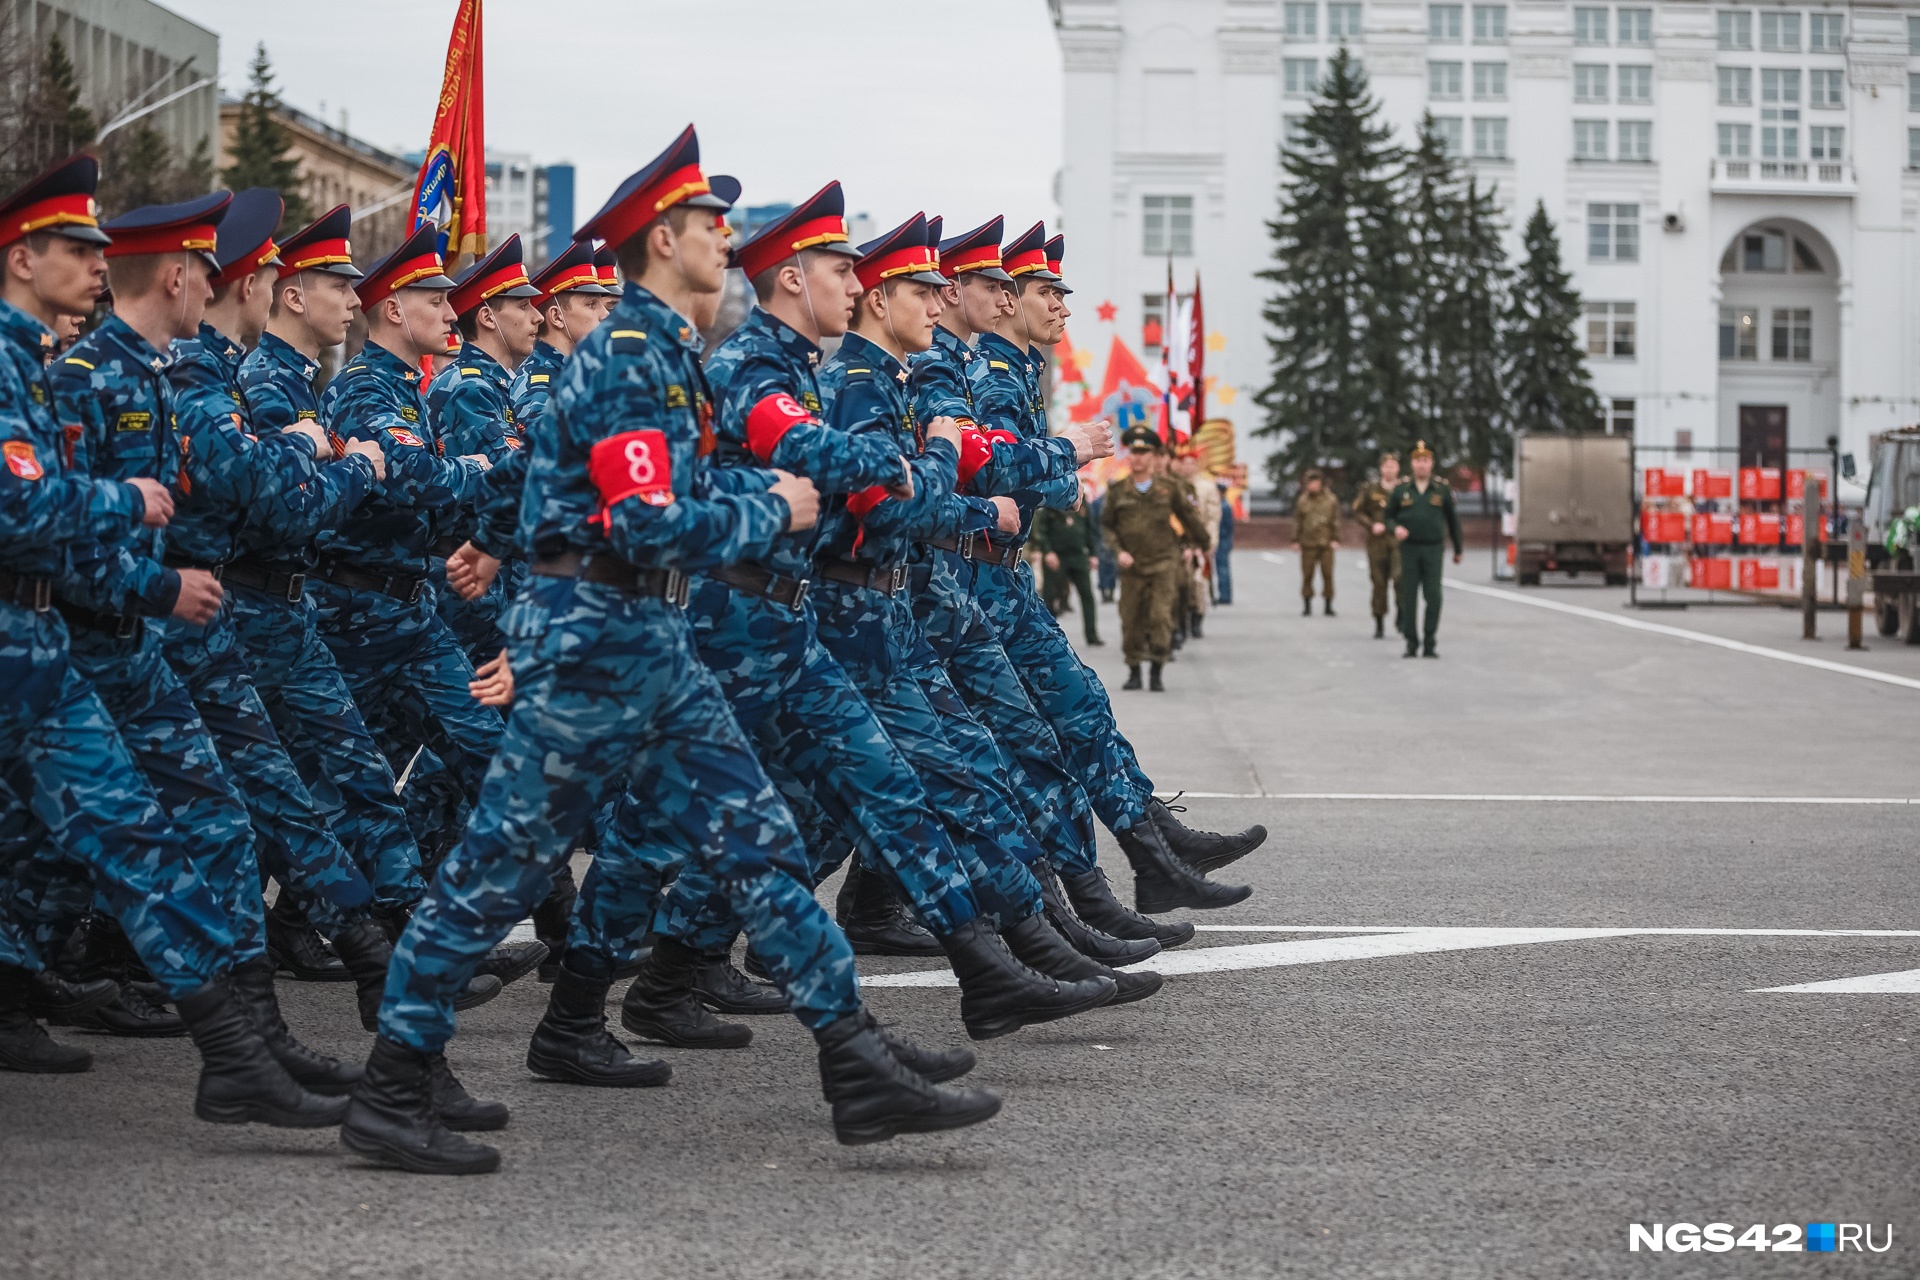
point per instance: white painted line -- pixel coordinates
(1905, 982)
(1624, 930)
(1681, 633)
(1518, 798)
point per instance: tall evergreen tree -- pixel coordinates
(56, 124)
(1548, 387)
(260, 144)
(1433, 214)
(1484, 431)
(1337, 318)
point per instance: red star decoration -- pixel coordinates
(1106, 312)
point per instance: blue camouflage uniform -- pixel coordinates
(229, 478)
(294, 671)
(471, 405)
(609, 690)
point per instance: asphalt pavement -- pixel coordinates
(1446, 1037)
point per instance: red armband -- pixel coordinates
(867, 499)
(975, 450)
(632, 464)
(769, 421)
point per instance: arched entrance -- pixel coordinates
(1779, 383)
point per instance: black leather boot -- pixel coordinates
(240, 1080)
(1093, 900)
(724, 989)
(1035, 943)
(131, 1016)
(1083, 937)
(45, 994)
(572, 1042)
(296, 947)
(1154, 683)
(553, 918)
(932, 1064)
(999, 995)
(458, 1109)
(875, 1096)
(366, 951)
(663, 1005)
(1133, 676)
(24, 1043)
(1196, 627)
(1161, 882)
(511, 961)
(876, 922)
(315, 1072)
(1380, 628)
(1204, 851)
(392, 1117)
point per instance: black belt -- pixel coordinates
(26, 591)
(281, 584)
(887, 579)
(121, 626)
(444, 547)
(401, 586)
(215, 567)
(978, 546)
(610, 570)
(765, 583)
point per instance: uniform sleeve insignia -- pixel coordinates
(21, 460)
(537, 378)
(1434, 498)
(307, 415)
(676, 396)
(627, 342)
(469, 372)
(510, 418)
(996, 364)
(402, 436)
(39, 393)
(139, 421)
(77, 360)
(811, 401)
(410, 414)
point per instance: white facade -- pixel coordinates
(1734, 185)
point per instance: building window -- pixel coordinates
(1443, 79)
(1793, 334)
(1610, 330)
(1167, 225)
(1824, 89)
(1635, 26)
(1636, 140)
(1489, 24)
(1779, 87)
(1303, 20)
(1636, 84)
(1448, 130)
(1619, 417)
(1826, 143)
(1825, 32)
(1343, 21)
(1736, 29)
(1490, 81)
(1613, 233)
(1779, 32)
(1489, 139)
(1913, 91)
(1589, 26)
(1739, 333)
(1763, 251)
(1736, 86)
(1589, 139)
(1913, 148)
(1779, 114)
(1302, 76)
(1443, 23)
(1297, 138)
(1913, 35)
(1589, 82)
(1736, 141)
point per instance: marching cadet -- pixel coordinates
(606, 266)
(1383, 549)
(620, 502)
(571, 303)
(1139, 523)
(1316, 535)
(1421, 514)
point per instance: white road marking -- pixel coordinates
(1905, 982)
(1681, 633)
(1520, 798)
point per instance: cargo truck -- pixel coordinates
(1574, 506)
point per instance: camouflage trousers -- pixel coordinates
(63, 758)
(609, 692)
(313, 710)
(1065, 691)
(295, 844)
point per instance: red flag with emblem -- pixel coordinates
(452, 187)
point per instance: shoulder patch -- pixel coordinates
(627, 342)
(851, 372)
(402, 436)
(537, 378)
(996, 364)
(469, 372)
(76, 360)
(21, 459)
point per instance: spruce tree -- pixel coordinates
(1484, 420)
(1548, 387)
(1338, 315)
(57, 125)
(260, 145)
(1433, 214)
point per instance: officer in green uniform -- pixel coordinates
(1156, 535)
(1383, 549)
(1066, 543)
(1421, 514)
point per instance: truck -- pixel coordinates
(1573, 497)
(1892, 487)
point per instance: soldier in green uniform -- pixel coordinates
(1421, 514)
(1316, 532)
(1066, 543)
(1383, 549)
(1156, 535)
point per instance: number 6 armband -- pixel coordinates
(631, 464)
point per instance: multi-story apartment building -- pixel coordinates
(1736, 186)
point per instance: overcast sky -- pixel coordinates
(787, 94)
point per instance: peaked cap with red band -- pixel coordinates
(321, 245)
(819, 222)
(572, 272)
(1056, 250)
(246, 234)
(606, 266)
(58, 201)
(501, 274)
(415, 264)
(672, 178)
(977, 251)
(1027, 255)
(935, 225)
(901, 254)
(191, 226)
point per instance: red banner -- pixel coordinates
(452, 187)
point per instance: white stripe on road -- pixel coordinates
(1516, 798)
(1681, 633)
(1905, 982)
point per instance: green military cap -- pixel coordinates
(1314, 473)
(1141, 438)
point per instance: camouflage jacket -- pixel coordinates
(533, 384)
(940, 383)
(471, 405)
(1316, 519)
(1034, 469)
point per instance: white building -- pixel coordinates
(1735, 185)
